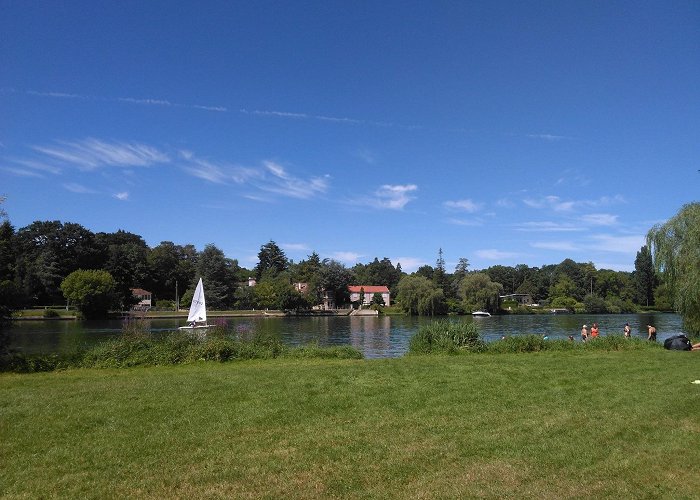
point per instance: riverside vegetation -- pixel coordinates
(137, 347)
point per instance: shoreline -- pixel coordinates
(183, 315)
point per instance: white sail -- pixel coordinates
(198, 309)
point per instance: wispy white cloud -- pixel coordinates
(208, 171)
(599, 219)
(465, 205)
(74, 187)
(466, 222)
(325, 118)
(606, 201)
(548, 137)
(557, 204)
(616, 266)
(302, 116)
(347, 257)
(551, 202)
(390, 197)
(408, 264)
(563, 246)
(493, 254)
(366, 156)
(127, 100)
(281, 182)
(295, 247)
(22, 172)
(218, 172)
(572, 177)
(619, 244)
(548, 226)
(90, 154)
(40, 166)
(123, 196)
(505, 203)
(63, 95)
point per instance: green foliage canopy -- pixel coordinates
(91, 290)
(676, 252)
(418, 295)
(479, 293)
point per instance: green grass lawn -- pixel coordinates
(539, 425)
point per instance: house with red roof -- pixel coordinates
(369, 291)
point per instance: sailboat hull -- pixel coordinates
(198, 327)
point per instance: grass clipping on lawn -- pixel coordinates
(620, 424)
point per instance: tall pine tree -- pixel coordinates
(644, 277)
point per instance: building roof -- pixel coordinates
(139, 291)
(368, 289)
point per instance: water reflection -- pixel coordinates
(375, 336)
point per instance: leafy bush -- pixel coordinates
(445, 337)
(165, 305)
(51, 313)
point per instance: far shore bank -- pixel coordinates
(213, 315)
(272, 313)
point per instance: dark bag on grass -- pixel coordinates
(678, 343)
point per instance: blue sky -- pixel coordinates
(504, 132)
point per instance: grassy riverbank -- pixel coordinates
(547, 424)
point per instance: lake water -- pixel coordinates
(376, 337)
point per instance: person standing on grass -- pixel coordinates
(652, 333)
(627, 330)
(594, 331)
(584, 333)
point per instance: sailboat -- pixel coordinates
(197, 318)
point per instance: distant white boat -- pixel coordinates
(197, 318)
(481, 314)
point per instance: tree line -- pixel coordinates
(36, 259)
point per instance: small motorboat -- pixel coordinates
(481, 314)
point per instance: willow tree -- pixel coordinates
(676, 251)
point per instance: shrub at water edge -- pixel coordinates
(447, 337)
(136, 348)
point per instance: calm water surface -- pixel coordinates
(376, 337)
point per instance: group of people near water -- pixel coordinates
(626, 330)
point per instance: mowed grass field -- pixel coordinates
(538, 425)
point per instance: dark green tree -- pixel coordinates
(218, 277)
(46, 252)
(128, 265)
(335, 278)
(8, 254)
(426, 271)
(290, 299)
(377, 300)
(594, 304)
(271, 260)
(644, 277)
(505, 275)
(309, 271)
(169, 264)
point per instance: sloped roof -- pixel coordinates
(368, 289)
